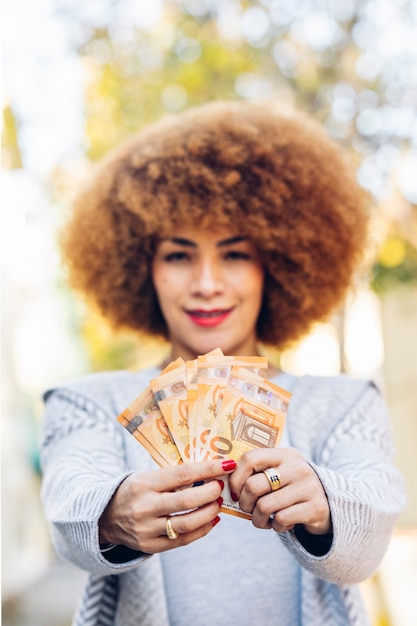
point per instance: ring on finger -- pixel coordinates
(169, 530)
(273, 477)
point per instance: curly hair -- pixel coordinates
(273, 175)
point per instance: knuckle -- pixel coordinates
(213, 489)
(138, 484)
(186, 539)
(183, 525)
(246, 508)
(184, 474)
(183, 540)
(306, 471)
(248, 458)
(263, 507)
(280, 518)
(250, 488)
(322, 508)
(206, 529)
(185, 500)
(140, 512)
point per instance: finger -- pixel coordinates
(254, 488)
(291, 506)
(162, 543)
(270, 505)
(190, 521)
(186, 499)
(286, 519)
(253, 462)
(171, 478)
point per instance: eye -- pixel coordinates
(237, 255)
(176, 257)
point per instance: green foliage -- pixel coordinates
(326, 58)
(131, 89)
(396, 264)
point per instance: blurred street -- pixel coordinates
(50, 601)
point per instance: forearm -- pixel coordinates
(362, 524)
(75, 492)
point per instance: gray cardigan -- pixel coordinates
(339, 424)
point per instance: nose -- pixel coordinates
(207, 279)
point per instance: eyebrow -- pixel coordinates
(180, 241)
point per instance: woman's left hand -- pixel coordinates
(300, 498)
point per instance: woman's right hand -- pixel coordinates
(137, 513)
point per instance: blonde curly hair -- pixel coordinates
(275, 175)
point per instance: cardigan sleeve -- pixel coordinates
(82, 464)
(364, 489)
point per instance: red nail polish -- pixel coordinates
(221, 483)
(234, 497)
(229, 465)
(216, 520)
(219, 500)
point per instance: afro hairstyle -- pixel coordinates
(271, 174)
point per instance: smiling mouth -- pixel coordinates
(208, 318)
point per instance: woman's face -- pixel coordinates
(209, 286)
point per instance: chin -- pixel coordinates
(207, 346)
(226, 348)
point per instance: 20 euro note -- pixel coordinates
(252, 414)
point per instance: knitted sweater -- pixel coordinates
(340, 425)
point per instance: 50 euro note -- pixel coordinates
(170, 392)
(191, 379)
(250, 412)
(252, 415)
(192, 393)
(213, 374)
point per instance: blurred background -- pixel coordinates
(80, 76)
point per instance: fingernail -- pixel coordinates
(234, 497)
(219, 500)
(198, 483)
(216, 520)
(221, 483)
(229, 465)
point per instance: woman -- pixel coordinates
(231, 225)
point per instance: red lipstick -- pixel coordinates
(212, 317)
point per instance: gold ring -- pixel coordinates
(170, 531)
(273, 477)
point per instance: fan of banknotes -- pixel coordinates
(213, 407)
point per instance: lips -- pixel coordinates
(212, 317)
